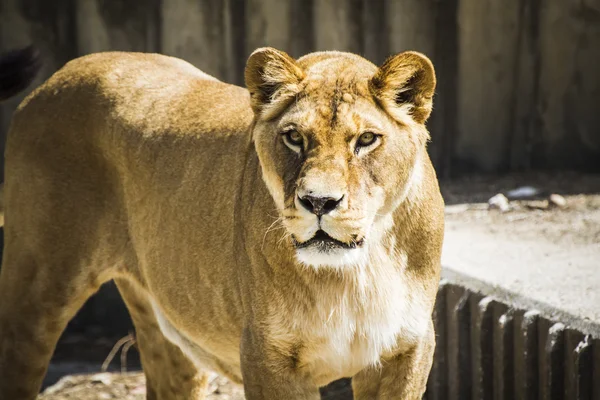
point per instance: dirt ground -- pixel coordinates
(124, 386)
(577, 222)
(132, 386)
(533, 217)
(76, 374)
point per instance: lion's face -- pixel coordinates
(338, 142)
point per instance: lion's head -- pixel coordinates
(339, 141)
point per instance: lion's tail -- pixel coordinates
(18, 68)
(1, 204)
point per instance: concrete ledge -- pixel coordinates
(523, 301)
(533, 270)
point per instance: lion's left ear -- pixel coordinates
(273, 79)
(405, 83)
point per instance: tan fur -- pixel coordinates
(142, 169)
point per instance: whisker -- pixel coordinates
(271, 227)
(285, 236)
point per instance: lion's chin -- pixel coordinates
(331, 257)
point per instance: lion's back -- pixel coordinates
(117, 102)
(151, 92)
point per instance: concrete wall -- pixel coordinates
(519, 80)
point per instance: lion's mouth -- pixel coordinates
(323, 242)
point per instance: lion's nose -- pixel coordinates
(319, 205)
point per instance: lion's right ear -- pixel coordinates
(273, 79)
(405, 83)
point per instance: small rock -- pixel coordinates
(103, 378)
(140, 389)
(499, 202)
(63, 383)
(457, 208)
(538, 205)
(556, 200)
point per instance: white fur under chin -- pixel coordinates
(339, 258)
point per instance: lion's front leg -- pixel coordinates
(170, 375)
(268, 374)
(403, 376)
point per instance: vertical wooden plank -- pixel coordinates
(526, 357)
(268, 24)
(572, 340)
(338, 25)
(544, 362)
(376, 46)
(504, 357)
(104, 25)
(582, 371)
(437, 384)
(569, 84)
(525, 117)
(459, 344)
(482, 348)
(285, 25)
(555, 362)
(443, 124)
(586, 84)
(596, 369)
(15, 31)
(235, 29)
(411, 25)
(488, 43)
(195, 30)
(301, 27)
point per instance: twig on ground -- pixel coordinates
(125, 344)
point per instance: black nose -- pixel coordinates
(319, 205)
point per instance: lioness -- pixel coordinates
(284, 236)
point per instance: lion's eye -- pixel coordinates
(293, 137)
(366, 139)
